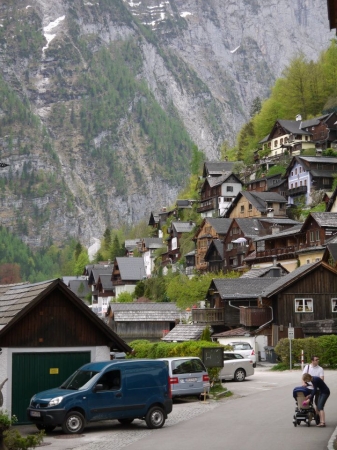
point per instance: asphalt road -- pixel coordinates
(258, 415)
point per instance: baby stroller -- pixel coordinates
(303, 413)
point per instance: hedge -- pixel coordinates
(324, 346)
(147, 349)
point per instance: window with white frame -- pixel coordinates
(334, 305)
(304, 305)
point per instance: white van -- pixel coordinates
(188, 376)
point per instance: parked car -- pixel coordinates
(188, 376)
(120, 389)
(244, 349)
(236, 367)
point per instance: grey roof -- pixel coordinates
(216, 181)
(153, 242)
(280, 221)
(259, 199)
(319, 159)
(15, 298)
(145, 312)
(322, 173)
(106, 282)
(333, 250)
(235, 332)
(219, 246)
(217, 167)
(220, 225)
(131, 244)
(287, 279)
(293, 126)
(315, 121)
(66, 279)
(185, 203)
(184, 332)
(132, 269)
(241, 288)
(250, 227)
(258, 273)
(325, 219)
(95, 273)
(80, 287)
(289, 232)
(183, 227)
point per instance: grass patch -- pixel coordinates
(218, 391)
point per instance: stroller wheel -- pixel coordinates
(295, 423)
(308, 423)
(298, 422)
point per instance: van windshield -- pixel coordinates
(78, 380)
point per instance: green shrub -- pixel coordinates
(146, 349)
(14, 441)
(323, 346)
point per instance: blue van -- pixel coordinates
(119, 389)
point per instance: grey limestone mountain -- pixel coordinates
(86, 86)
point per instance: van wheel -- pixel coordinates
(240, 375)
(155, 417)
(73, 423)
(125, 421)
(47, 428)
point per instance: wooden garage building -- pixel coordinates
(46, 333)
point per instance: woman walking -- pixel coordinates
(324, 393)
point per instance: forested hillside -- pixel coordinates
(103, 103)
(306, 87)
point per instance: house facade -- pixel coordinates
(175, 231)
(217, 194)
(257, 204)
(126, 273)
(210, 229)
(307, 174)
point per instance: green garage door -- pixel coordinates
(36, 372)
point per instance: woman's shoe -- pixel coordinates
(322, 425)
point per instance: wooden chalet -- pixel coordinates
(307, 174)
(224, 300)
(175, 231)
(126, 273)
(305, 298)
(46, 333)
(143, 320)
(216, 168)
(217, 193)
(214, 256)
(238, 240)
(257, 204)
(272, 183)
(209, 229)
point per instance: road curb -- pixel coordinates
(332, 440)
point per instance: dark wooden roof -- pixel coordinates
(265, 271)
(241, 288)
(17, 301)
(293, 276)
(184, 332)
(145, 312)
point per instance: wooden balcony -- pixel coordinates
(300, 190)
(276, 251)
(252, 316)
(211, 316)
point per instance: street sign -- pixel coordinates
(291, 333)
(212, 356)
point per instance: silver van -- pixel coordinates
(187, 375)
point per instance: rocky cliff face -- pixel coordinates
(82, 157)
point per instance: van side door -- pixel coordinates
(105, 401)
